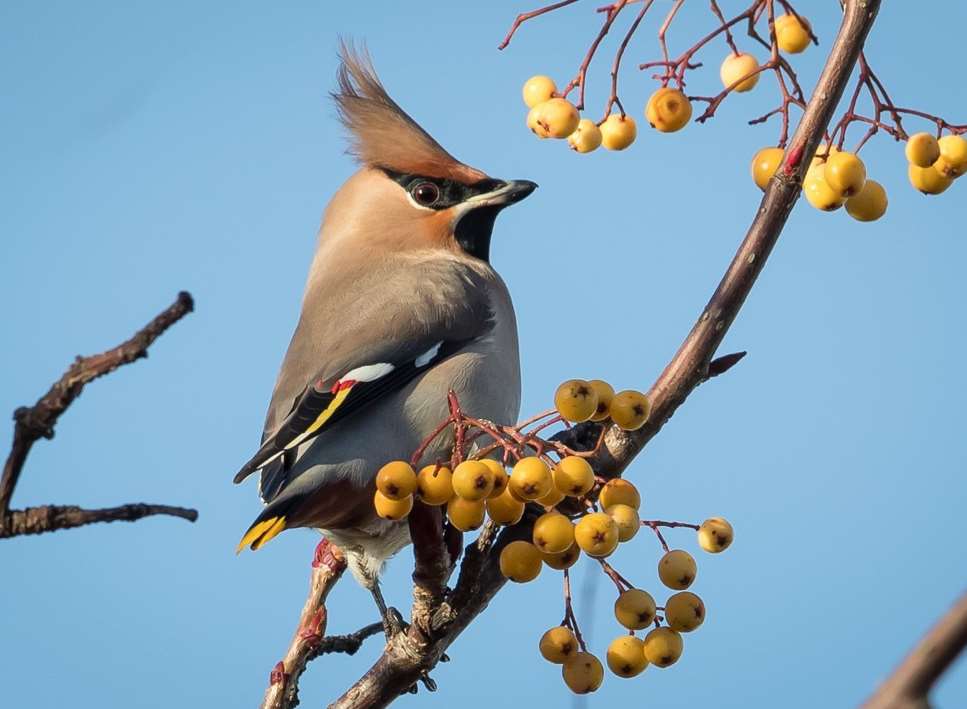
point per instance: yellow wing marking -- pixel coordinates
(259, 534)
(329, 410)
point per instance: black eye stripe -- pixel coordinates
(451, 192)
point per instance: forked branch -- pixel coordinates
(38, 421)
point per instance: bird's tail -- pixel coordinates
(269, 524)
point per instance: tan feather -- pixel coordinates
(381, 133)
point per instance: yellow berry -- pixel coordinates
(735, 67)
(684, 612)
(573, 476)
(558, 645)
(391, 509)
(605, 395)
(792, 36)
(819, 193)
(764, 166)
(530, 479)
(535, 126)
(465, 515)
(635, 609)
(845, 173)
(552, 498)
(668, 110)
(586, 137)
(435, 484)
(663, 647)
(583, 673)
(618, 132)
(626, 517)
(596, 534)
(520, 561)
(396, 480)
(953, 156)
(505, 509)
(715, 535)
(553, 533)
(562, 560)
(928, 179)
(677, 569)
(630, 409)
(869, 204)
(922, 149)
(576, 400)
(500, 476)
(472, 480)
(619, 492)
(626, 656)
(557, 117)
(538, 89)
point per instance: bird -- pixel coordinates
(401, 306)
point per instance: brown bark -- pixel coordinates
(50, 518)
(910, 684)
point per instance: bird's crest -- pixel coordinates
(381, 133)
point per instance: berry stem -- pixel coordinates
(570, 620)
(523, 17)
(619, 581)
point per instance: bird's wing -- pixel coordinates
(327, 401)
(372, 354)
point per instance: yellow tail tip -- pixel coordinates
(260, 533)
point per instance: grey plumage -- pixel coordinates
(400, 306)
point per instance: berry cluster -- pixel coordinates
(667, 110)
(597, 534)
(935, 164)
(837, 178)
(574, 512)
(552, 116)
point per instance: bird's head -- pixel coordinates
(410, 192)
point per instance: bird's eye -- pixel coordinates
(425, 193)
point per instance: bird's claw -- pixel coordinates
(393, 623)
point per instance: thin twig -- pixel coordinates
(328, 566)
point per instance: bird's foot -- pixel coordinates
(393, 623)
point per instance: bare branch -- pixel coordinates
(522, 18)
(50, 518)
(328, 566)
(38, 421)
(911, 682)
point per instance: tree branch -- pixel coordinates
(38, 421)
(911, 682)
(50, 518)
(418, 650)
(328, 566)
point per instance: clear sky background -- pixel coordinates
(151, 147)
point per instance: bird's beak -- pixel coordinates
(508, 193)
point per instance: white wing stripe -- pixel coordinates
(368, 372)
(427, 357)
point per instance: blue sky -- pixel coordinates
(153, 147)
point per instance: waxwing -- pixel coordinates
(401, 305)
